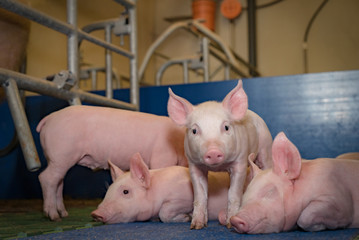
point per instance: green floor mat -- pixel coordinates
(26, 218)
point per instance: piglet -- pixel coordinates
(220, 137)
(144, 194)
(90, 136)
(312, 194)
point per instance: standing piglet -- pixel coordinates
(220, 137)
(142, 194)
(312, 194)
(90, 136)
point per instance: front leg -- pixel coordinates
(238, 173)
(199, 179)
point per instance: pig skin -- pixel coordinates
(220, 137)
(90, 136)
(311, 194)
(166, 193)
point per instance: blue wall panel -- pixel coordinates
(318, 112)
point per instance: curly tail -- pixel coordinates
(41, 124)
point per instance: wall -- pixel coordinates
(280, 31)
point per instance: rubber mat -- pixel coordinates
(159, 231)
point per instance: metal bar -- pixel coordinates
(185, 72)
(22, 125)
(127, 3)
(205, 56)
(99, 25)
(156, 43)
(216, 38)
(44, 87)
(72, 48)
(252, 38)
(65, 28)
(108, 63)
(227, 63)
(132, 15)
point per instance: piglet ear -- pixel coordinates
(139, 170)
(287, 161)
(236, 102)
(115, 171)
(254, 169)
(178, 108)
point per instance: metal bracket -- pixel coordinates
(64, 80)
(122, 26)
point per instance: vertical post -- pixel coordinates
(109, 92)
(252, 38)
(185, 71)
(132, 14)
(72, 45)
(22, 126)
(205, 56)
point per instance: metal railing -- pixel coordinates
(64, 85)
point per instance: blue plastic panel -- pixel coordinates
(318, 112)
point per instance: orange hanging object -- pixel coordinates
(204, 9)
(231, 9)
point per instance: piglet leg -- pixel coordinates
(200, 189)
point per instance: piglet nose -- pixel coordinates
(239, 224)
(97, 217)
(213, 156)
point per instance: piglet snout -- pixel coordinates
(239, 224)
(97, 217)
(213, 156)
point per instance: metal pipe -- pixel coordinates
(127, 3)
(22, 125)
(134, 81)
(54, 24)
(165, 66)
(185, 72)
(252, 38)
(43, 87)
(205, 58)
(72, 48)
(156, 43)
(187, 25)
(99, 25)
(108, 63)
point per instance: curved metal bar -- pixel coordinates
(187, 25)
(157, 42)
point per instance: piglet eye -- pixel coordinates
(194, 131)
(226, 127)
(125, 191)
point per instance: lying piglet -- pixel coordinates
(142, 194)
(220, 137)
(312, 194)
(90, 136)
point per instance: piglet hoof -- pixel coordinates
(229, 225)
(53, 216)
(64, 214)
(198, 225)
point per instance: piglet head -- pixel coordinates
(125, 200)
(263, 207)
(211, 132)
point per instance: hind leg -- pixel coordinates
(51, 182)
(59, 200)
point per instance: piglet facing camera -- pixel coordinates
(219, 137)
(312, 194)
